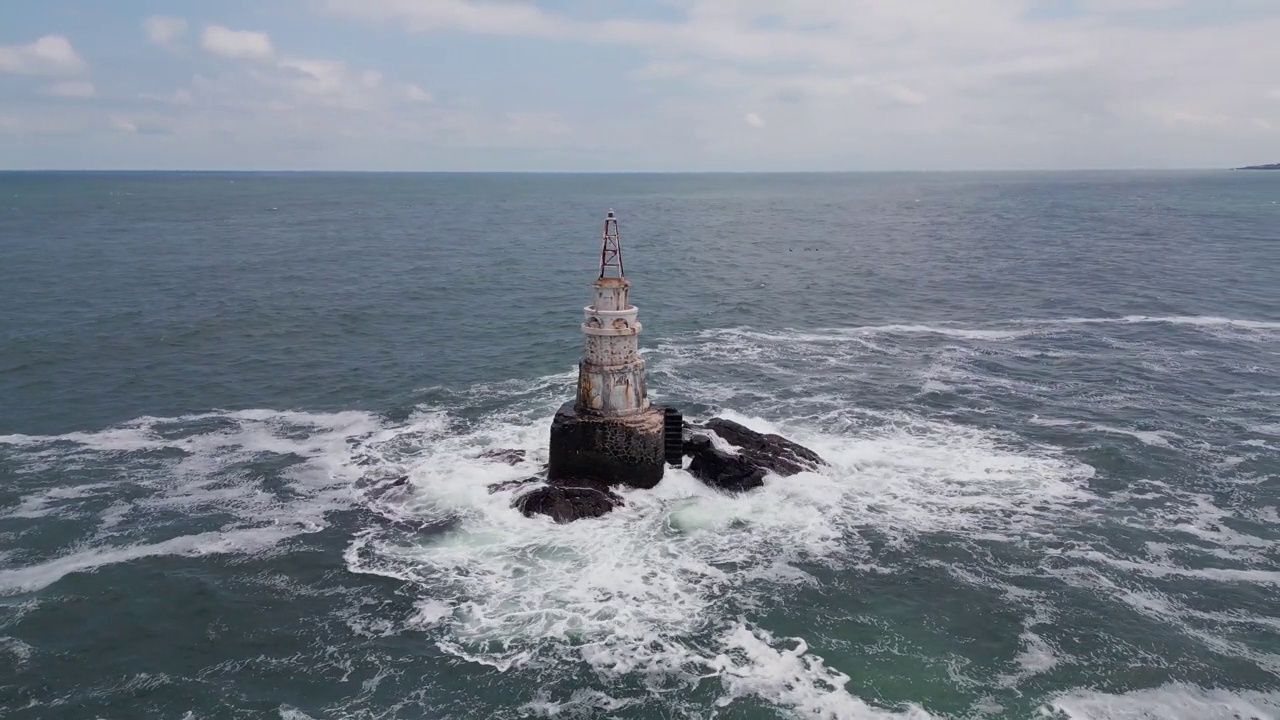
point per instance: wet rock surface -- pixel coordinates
(565, 494)
(510, 456)
(512, 484)
(374, 486)
(767, 450)
(722, 470)
(757, 453)
(566, 503)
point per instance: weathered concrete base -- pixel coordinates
(614, 450)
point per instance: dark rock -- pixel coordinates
(1272, 166)
(510, 456)
(757, 454)
(722, 470)
(567, 503)
(510, 484)
(695, 443)
(767, 450)
(376, 487)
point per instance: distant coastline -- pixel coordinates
(1272, 166)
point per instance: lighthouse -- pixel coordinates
(611, 374)
(609, 433)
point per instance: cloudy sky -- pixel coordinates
(602, 85)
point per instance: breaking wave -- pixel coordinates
(660, 591)
(671, 590)
(172, 475)
(624, 593)
(1169, 702)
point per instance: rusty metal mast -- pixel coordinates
(610, 246)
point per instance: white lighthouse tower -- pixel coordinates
(611, 374)
(609, 433)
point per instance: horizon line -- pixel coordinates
(614, 172)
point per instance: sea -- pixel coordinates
(242, 418)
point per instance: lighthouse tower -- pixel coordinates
(611, 374)
(609, 433)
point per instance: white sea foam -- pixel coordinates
(943, 330)
(1198, 515)
(631, 593)
(34, 577)
(1176, 701)
(18, 650)
(1193, 320)
(657, 590)
(1037, 654)
(846, 334)
(429, 612)
(1155, 438)
(179, 465)
(1202, 528)
(54, 500)
(934, 386)
(755, 664)
(1004, 330)
(1128, 588)
(1159, 570)
(582, 703)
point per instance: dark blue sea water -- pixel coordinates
(1051, 403)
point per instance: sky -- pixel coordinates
(638, 85)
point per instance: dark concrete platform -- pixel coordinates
(625, 450)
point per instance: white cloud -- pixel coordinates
(1127, 6)
(327, 83)
(294, 89)
(237, 44)
(72, 89)
(413, 93)
(51, 55)
(904, 94)
(855, 84)
(123, 124)
(1198, 120)
(319, 77)
(178, 97)
(163, 30)
(927, 83)
(493, 18)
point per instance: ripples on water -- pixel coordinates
(1054, 516)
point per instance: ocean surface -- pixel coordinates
(1051, 404)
